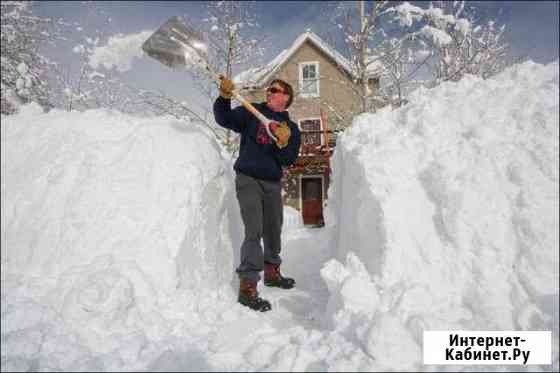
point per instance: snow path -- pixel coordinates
(118, 249)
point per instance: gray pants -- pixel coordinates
(260, 202)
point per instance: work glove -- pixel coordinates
(282, 133)
(226, 87)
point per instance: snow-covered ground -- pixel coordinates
(120, 236)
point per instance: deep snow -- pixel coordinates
(120, 236)
(451, 204)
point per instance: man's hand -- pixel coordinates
(282, 133)
(226, 87)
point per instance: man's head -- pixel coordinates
(279, 95)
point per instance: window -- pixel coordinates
(373, 83)
(309, 79)
(311, 136)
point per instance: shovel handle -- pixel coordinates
(247, 105)
(264, 120)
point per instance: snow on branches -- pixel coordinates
(460, 43)
(23, 66)
(402, 43)
(234, 35)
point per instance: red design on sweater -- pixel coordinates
(262, 135)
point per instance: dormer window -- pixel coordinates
(309, 79)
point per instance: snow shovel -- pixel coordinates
(178, 46)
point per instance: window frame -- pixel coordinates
(301, 66)
(302, 131)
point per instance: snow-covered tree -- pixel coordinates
(361, 25)
(383, 57)
(400, 42)
(459, 41)
(24, 67)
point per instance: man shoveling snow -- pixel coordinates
(257, 183)
(269, 141)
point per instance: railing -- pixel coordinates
(315, 148)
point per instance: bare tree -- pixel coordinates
(400, 60)
(88, 88)
(81, 85)
(234, 34)
(235, 42)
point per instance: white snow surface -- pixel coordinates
(120, 236)
(439, 37)
(451, 204)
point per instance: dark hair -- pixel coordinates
(287, 88)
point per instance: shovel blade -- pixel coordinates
(170, 44)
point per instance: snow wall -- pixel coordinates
(446, 215)
(102, 202)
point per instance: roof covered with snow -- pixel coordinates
(260, 75)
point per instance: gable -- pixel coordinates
(257, 77)
(308, 52)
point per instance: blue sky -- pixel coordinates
(532, 26)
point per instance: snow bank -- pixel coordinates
(82, 186)
(446, 215)
(292, 219)
(106, 218)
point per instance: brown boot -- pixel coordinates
(248, 296)
(273, 277)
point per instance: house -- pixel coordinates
(326, 96)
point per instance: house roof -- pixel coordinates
(260, 75)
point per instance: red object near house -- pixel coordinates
(308, 179)
(312, 200)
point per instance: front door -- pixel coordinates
(312, 200)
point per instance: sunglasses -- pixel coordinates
(274, 90)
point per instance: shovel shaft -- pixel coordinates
(264, 120)
(246, 104)
(183, 41)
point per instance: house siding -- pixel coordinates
(335, 88)
(337, 92)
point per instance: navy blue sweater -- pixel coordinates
(259, 156)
